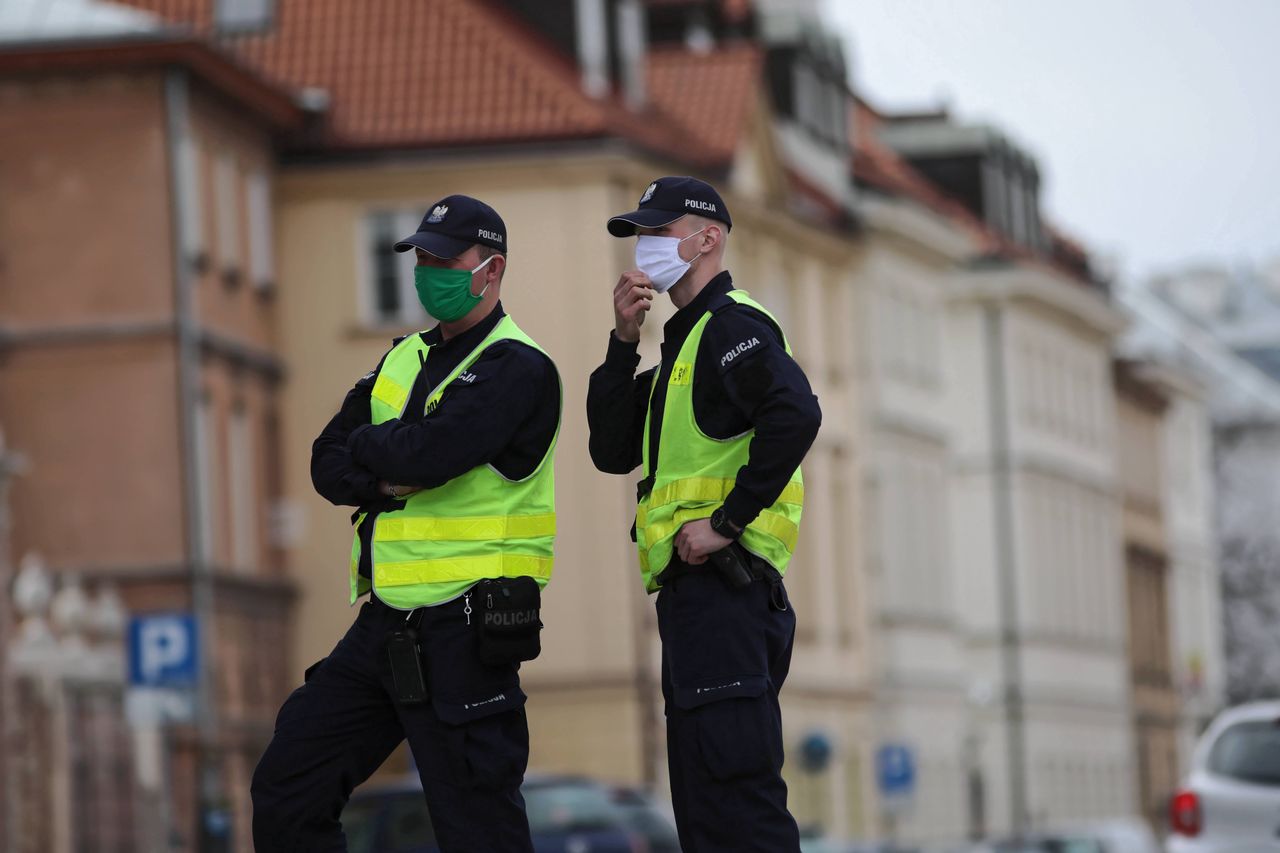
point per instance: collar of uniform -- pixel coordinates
(683, 321)
(471, 337)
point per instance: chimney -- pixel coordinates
(593, 46)
(632, 42)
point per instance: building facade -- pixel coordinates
(1141, 409)
(962, 580)
(138, 366)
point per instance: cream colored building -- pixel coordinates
(1199, 670)
(595, 704)
(1036, 615)
(1037, 541)
(959, 582)
(1208, 386)
(967, 452)
(919, 673)
(1141, 409)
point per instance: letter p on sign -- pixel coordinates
(163, 650)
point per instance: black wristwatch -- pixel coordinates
(720, 524)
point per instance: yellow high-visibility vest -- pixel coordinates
(696, 473)
(478, 525)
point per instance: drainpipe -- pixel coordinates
(1006, 566)
(182, 201)
(10, 464)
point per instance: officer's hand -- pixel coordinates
(696, 541)
(632, 297)
(393, 491)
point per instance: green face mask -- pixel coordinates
(446, 293)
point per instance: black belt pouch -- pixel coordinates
(510, 621)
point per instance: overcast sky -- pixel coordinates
(1156, 122)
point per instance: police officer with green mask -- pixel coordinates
(445, 449)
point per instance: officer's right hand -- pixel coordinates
(632, 297)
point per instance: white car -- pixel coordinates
(1230, 802)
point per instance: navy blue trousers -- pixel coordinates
(725, 655)
(470, 741)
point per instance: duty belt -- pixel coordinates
(754, 568)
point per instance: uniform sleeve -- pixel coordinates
(771, 391)
(616, 401)
(337, 477)
(483, 410)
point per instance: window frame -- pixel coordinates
(227, 216)
(261, 220)
(409, 311)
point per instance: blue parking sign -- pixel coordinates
(895, 770)
(164, 650)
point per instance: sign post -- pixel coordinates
(164, 671)
(896, 779)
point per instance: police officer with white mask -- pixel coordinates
(720, 427)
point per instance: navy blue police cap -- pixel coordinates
(666, 200)
(453, 225)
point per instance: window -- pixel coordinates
(994, 194)
(243, 14)
(389, 297)
(226, 198)
(894, 333)
(776, 278)
(565, 807)
(207, 470)
(1016, 207)
(837, 530)
(913, 516)
(1248, 752)
(261, 257)
(244, 496)
(192, 236)
(931, 346)
(807, 96)
(837, 114)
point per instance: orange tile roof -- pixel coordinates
(414, 72)
(403, 73)
(418, 73)
(213, 67)
(709, 96)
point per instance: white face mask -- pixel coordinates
(659, 258)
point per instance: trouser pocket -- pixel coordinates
(739, 737)
(486, 753)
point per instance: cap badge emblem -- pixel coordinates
(648, 194)
(438, 213)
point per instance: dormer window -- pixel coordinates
(809, 89)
